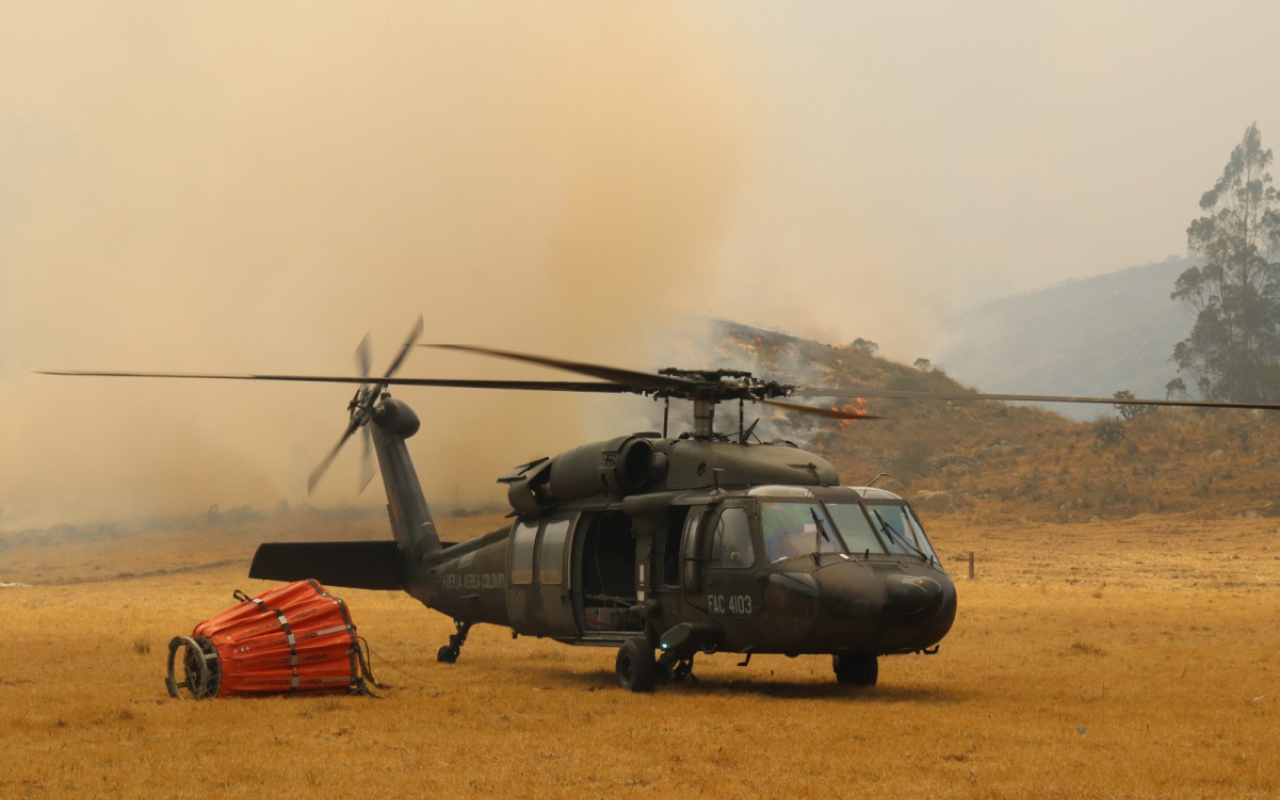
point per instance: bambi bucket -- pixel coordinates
(294, 639)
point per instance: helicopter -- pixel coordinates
(661, 547)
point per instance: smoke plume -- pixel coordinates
(251, 189)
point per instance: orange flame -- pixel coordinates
(858, 408)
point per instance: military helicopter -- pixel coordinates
(661, 547)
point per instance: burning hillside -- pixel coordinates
(999, 460)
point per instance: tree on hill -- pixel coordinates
(1233, 351)
(1130, 411)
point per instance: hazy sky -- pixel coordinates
(252, 187)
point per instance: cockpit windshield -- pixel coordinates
(855, 528)
(901, 530)
(797, 529)
(794, 529)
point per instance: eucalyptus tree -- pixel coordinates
(1233, 351)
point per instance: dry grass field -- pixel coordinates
(1112, 659)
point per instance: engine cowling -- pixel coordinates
(618, 466)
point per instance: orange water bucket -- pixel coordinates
(294, 639)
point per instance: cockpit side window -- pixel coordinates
(901, 530)
(921, 540)
(888, 521)
(731, 543)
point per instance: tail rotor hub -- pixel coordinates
(362, 406)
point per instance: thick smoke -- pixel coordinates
(250, 189)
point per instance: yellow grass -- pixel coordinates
(1130, 659)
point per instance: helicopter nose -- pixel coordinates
(916, 596)
(792, 599)
(885, 606)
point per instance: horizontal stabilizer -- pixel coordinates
(354, 565)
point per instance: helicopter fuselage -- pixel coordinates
(684, 545)
(721, 562)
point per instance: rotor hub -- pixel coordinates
(719, 385)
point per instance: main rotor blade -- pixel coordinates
(888, 394)
(532, 386)
(821, 412)
(320, 469)
(404, 350)
(642, 381)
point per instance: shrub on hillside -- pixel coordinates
(913, 461)
(1108, 432)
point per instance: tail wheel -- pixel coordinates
(856, 669)
(636, 667)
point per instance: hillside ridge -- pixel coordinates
(1007, 462)
(1091, 336)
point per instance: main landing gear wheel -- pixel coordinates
(855, 669)
(447, 655)
(636, 667)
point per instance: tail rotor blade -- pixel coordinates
(364, 361)
(318, 472)
(368, 467)
(414, 335)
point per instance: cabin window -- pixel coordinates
(551, 553)
(522, 542)
(731, 544)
